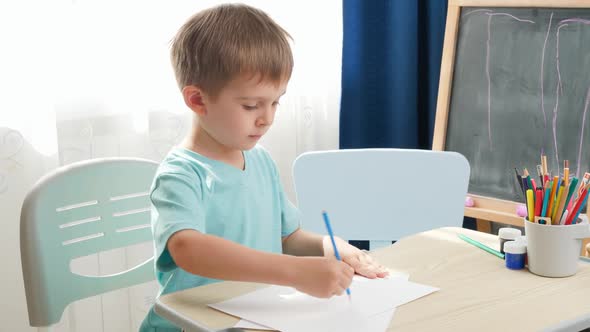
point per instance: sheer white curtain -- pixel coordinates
(87, 79)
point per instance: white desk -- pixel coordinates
(477, 293)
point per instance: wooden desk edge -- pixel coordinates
(577, 324)
(177, 318)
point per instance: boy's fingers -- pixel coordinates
(344, 284)
(361, 267)
(367, 271)
(350, 271)
(366, 266)
(382, 272)
(382, 269)
(339, 291)
(374, 269)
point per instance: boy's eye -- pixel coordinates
(249, 107)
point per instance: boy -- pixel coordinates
(218, 208)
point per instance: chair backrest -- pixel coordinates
(78, 210)
(381, 194)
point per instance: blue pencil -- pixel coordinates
(546, 199)
(329, 228)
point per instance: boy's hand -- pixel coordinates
(359, 260)
(322, 277)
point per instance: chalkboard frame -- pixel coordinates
(486, 208)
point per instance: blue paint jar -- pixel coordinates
(515, 254)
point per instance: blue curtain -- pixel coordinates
(390, 69)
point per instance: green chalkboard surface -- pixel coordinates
(521, 86)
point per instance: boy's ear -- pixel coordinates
(194, 99)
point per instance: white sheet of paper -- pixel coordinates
(288, 310)
(246, 324)
(379, 322)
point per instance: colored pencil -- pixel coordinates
(578, 205)
(519, 180)
(552, 196)
(546, 198)
(538, 201)
(329, 229)
(481, 246)
(556, 204)
(530, 201)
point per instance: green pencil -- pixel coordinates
(482, 246)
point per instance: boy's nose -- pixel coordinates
(265, 119)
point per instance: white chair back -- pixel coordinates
(381, 194)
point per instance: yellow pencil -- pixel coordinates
(566, 175)
(554, 212)
(530, 201)
(552, 196)
(561, 206)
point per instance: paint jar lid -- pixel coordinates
(522, 239)
(514, 247)
(508, 233)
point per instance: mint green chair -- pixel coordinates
(78, 210)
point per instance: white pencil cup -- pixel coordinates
(554, 250)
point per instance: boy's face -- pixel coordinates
(242, 112)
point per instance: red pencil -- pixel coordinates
(538, 201)
(577, 207)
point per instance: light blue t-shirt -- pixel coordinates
(191, 191)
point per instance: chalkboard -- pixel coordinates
(520, 86)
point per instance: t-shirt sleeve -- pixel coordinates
(176, 204)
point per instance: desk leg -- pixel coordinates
(483, 225)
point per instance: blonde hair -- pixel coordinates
(221, 43)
